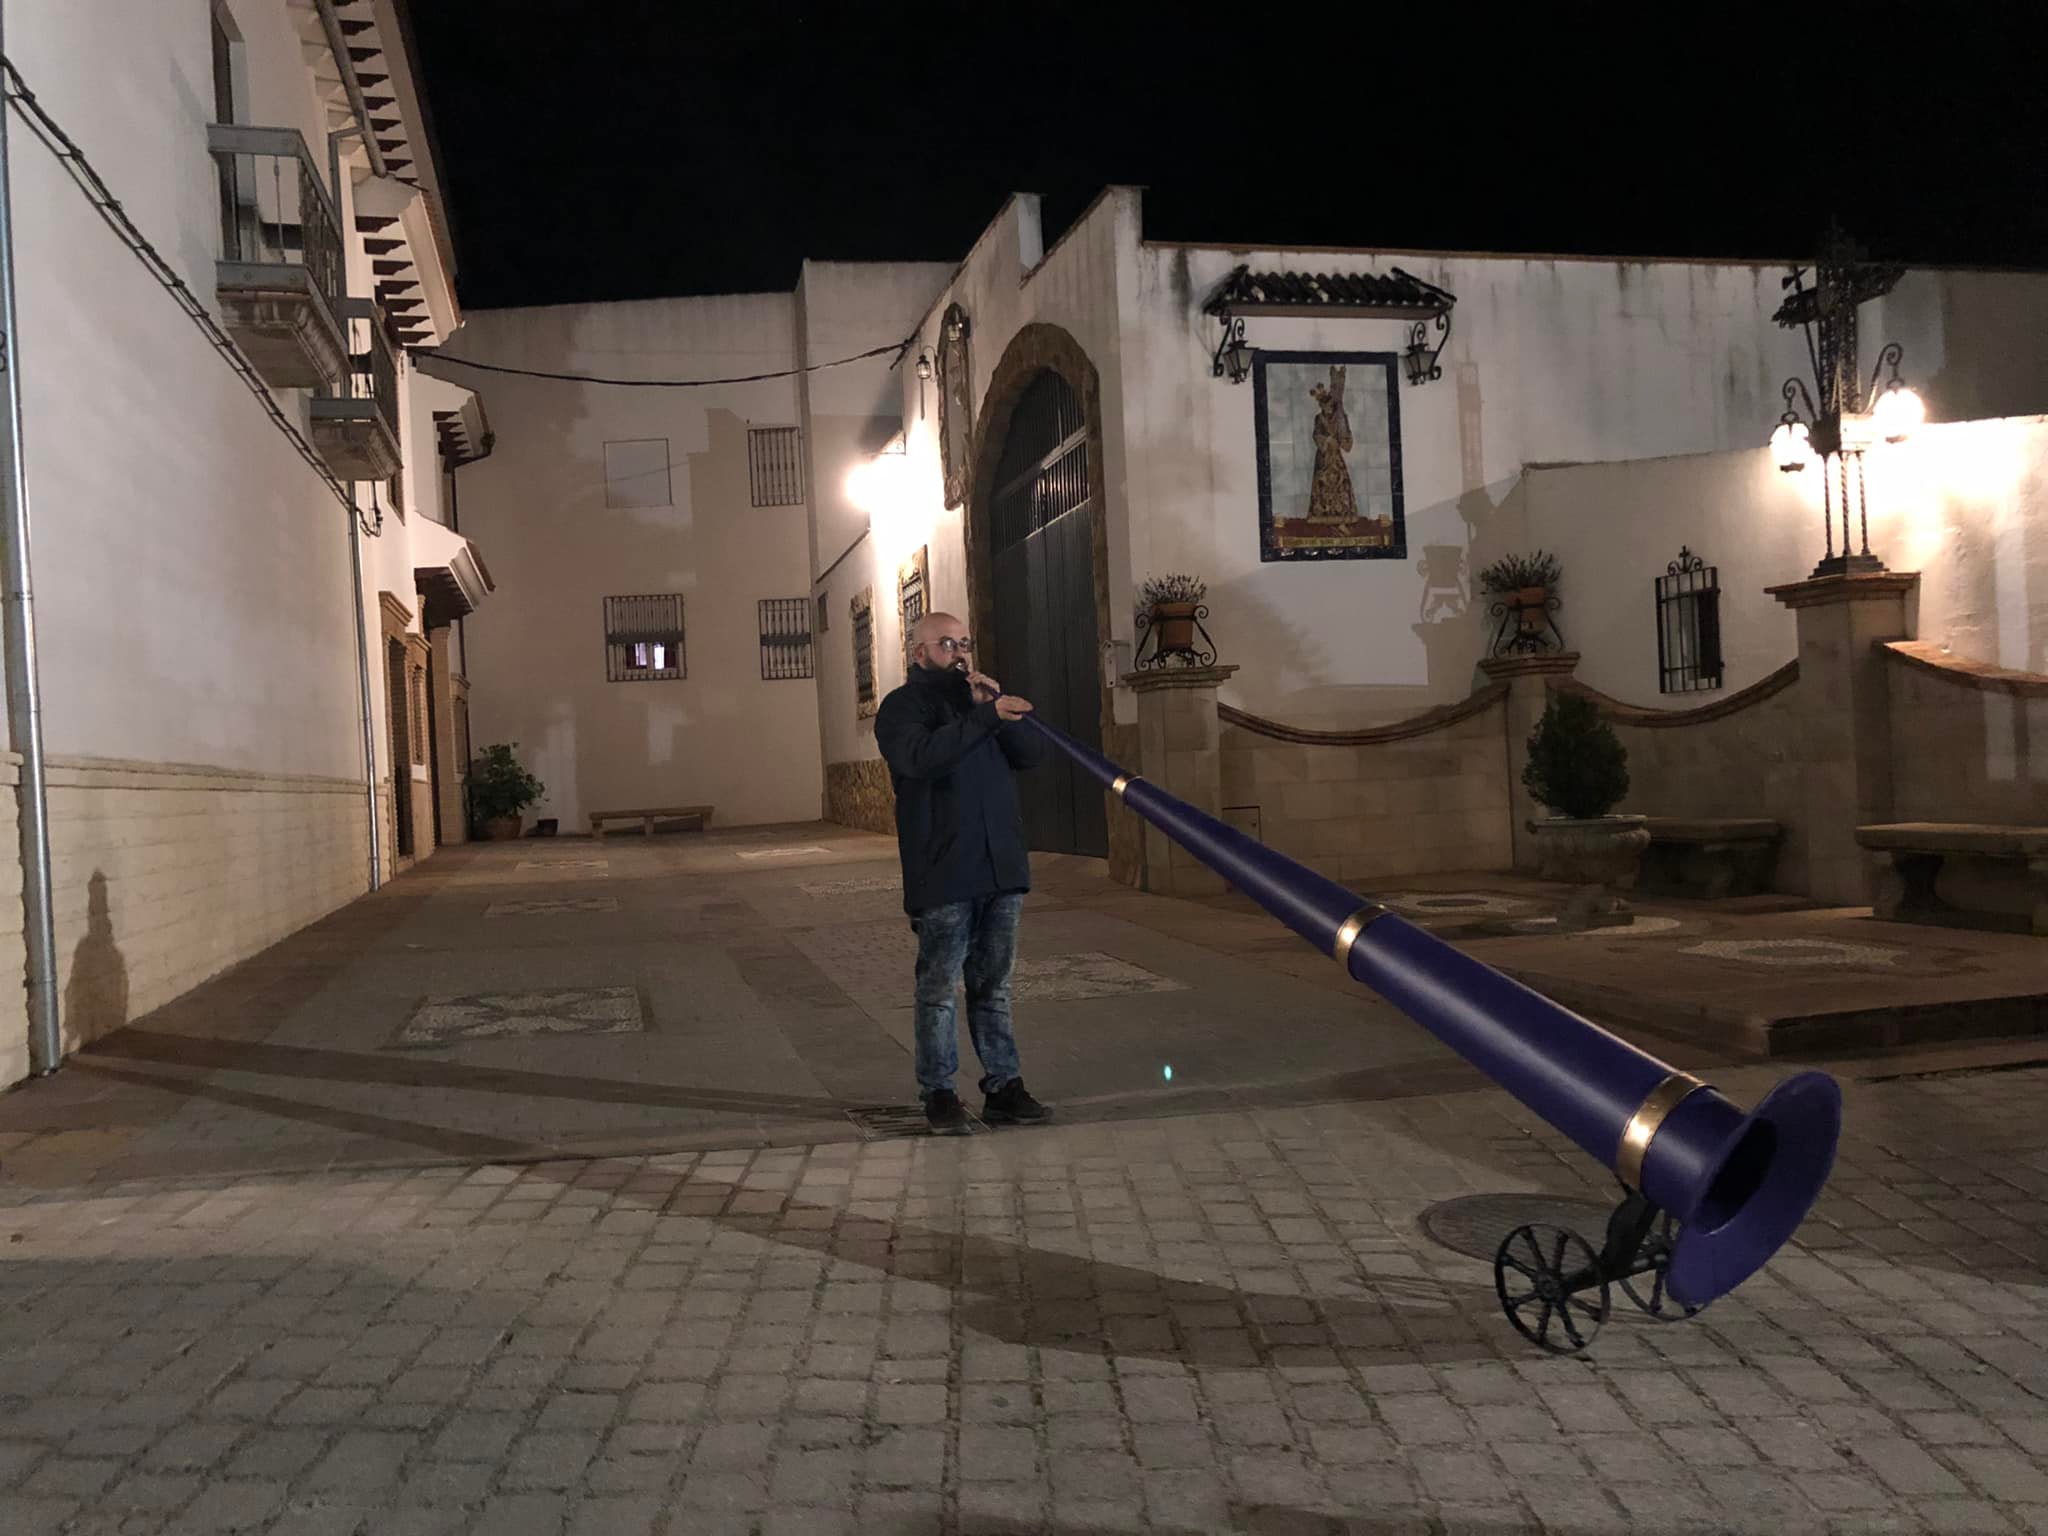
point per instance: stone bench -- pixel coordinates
(698, 814)
(1961, 874)
(1709, 858)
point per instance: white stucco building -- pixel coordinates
(198, 617)
(1046, 429)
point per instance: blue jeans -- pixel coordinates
(975, 941)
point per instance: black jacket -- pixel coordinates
(952, 761)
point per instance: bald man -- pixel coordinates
(953, 743)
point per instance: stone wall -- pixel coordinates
(1969, 740)
(858, 794)
(1736, 757)
(1421, 796)
(165, 875)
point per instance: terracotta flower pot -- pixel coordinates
(504, 829)
(1176, 625)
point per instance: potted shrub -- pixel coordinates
(1172, 604)
(1524, 583)
(500, 790)
(1578, 768)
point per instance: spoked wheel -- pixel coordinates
(1551, 1287)
(1655, 1260)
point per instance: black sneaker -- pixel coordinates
(945, 1114)
(1011, 1104)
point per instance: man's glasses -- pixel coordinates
(951, 647)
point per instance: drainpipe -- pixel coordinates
(24, 691)
(355, 571)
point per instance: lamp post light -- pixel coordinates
(1837, 431)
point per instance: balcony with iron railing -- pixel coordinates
(280, 275)
(355, 427)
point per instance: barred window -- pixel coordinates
(824, 613)
(864, 700)
(775, 466)
(785, 638)
(912, 586)
(643, 639)
(1688, 626)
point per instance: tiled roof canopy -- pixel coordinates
(1393, 293)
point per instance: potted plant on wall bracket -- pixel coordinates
(1578, 768)
(500, 790)
(1170, 614)
(1524, 592)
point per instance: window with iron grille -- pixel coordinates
(911, 604)
(418, 704)
(774, 466)
(785, 638)
(643, 639)
(1688, 626)
(864, 700)
(824, 613)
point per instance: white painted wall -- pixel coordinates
(191, 571)
(1007, 281)
(849, 414)
(1965, 504)
(1551, 361)
(537, 510)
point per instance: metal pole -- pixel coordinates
(24, 690)
(355, 560)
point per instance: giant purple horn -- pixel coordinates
(1738, 1183)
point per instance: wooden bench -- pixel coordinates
(698, 814)
(1709, 858)
(1961, 874)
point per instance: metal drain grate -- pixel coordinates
(1474, 1224)
(893, 1122)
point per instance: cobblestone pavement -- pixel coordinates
(1220, 1322)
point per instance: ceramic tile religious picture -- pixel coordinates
(1329, 434)
(956, 403)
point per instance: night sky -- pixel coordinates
(614, 149)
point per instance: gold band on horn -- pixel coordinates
(1643, 1125)
(1354, 925)
(1123, 782)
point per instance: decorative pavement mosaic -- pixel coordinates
(548, 907)
(1788, 952)
(440, 1022)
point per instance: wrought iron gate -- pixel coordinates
(1041, 526)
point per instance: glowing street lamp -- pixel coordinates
(1842, 281)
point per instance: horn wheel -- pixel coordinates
(1654, 1264)
(1552, 1287)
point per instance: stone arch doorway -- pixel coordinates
(1038, 568)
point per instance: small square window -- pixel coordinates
(636, 473)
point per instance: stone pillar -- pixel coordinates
(1528, 679)
(1178, 751)
(1845, 739)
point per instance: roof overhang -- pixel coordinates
(448, 572)
(1390, 295)
(416, 290)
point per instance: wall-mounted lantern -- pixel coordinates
(1233, 352)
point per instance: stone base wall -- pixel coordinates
(165, 875)
(1422, 796)
(858, 794)
(1969, 742)
(1738, 757)
(1126, 828)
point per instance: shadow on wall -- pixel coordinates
(96, 996)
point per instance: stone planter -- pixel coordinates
(1600, 856)
(504, 829)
